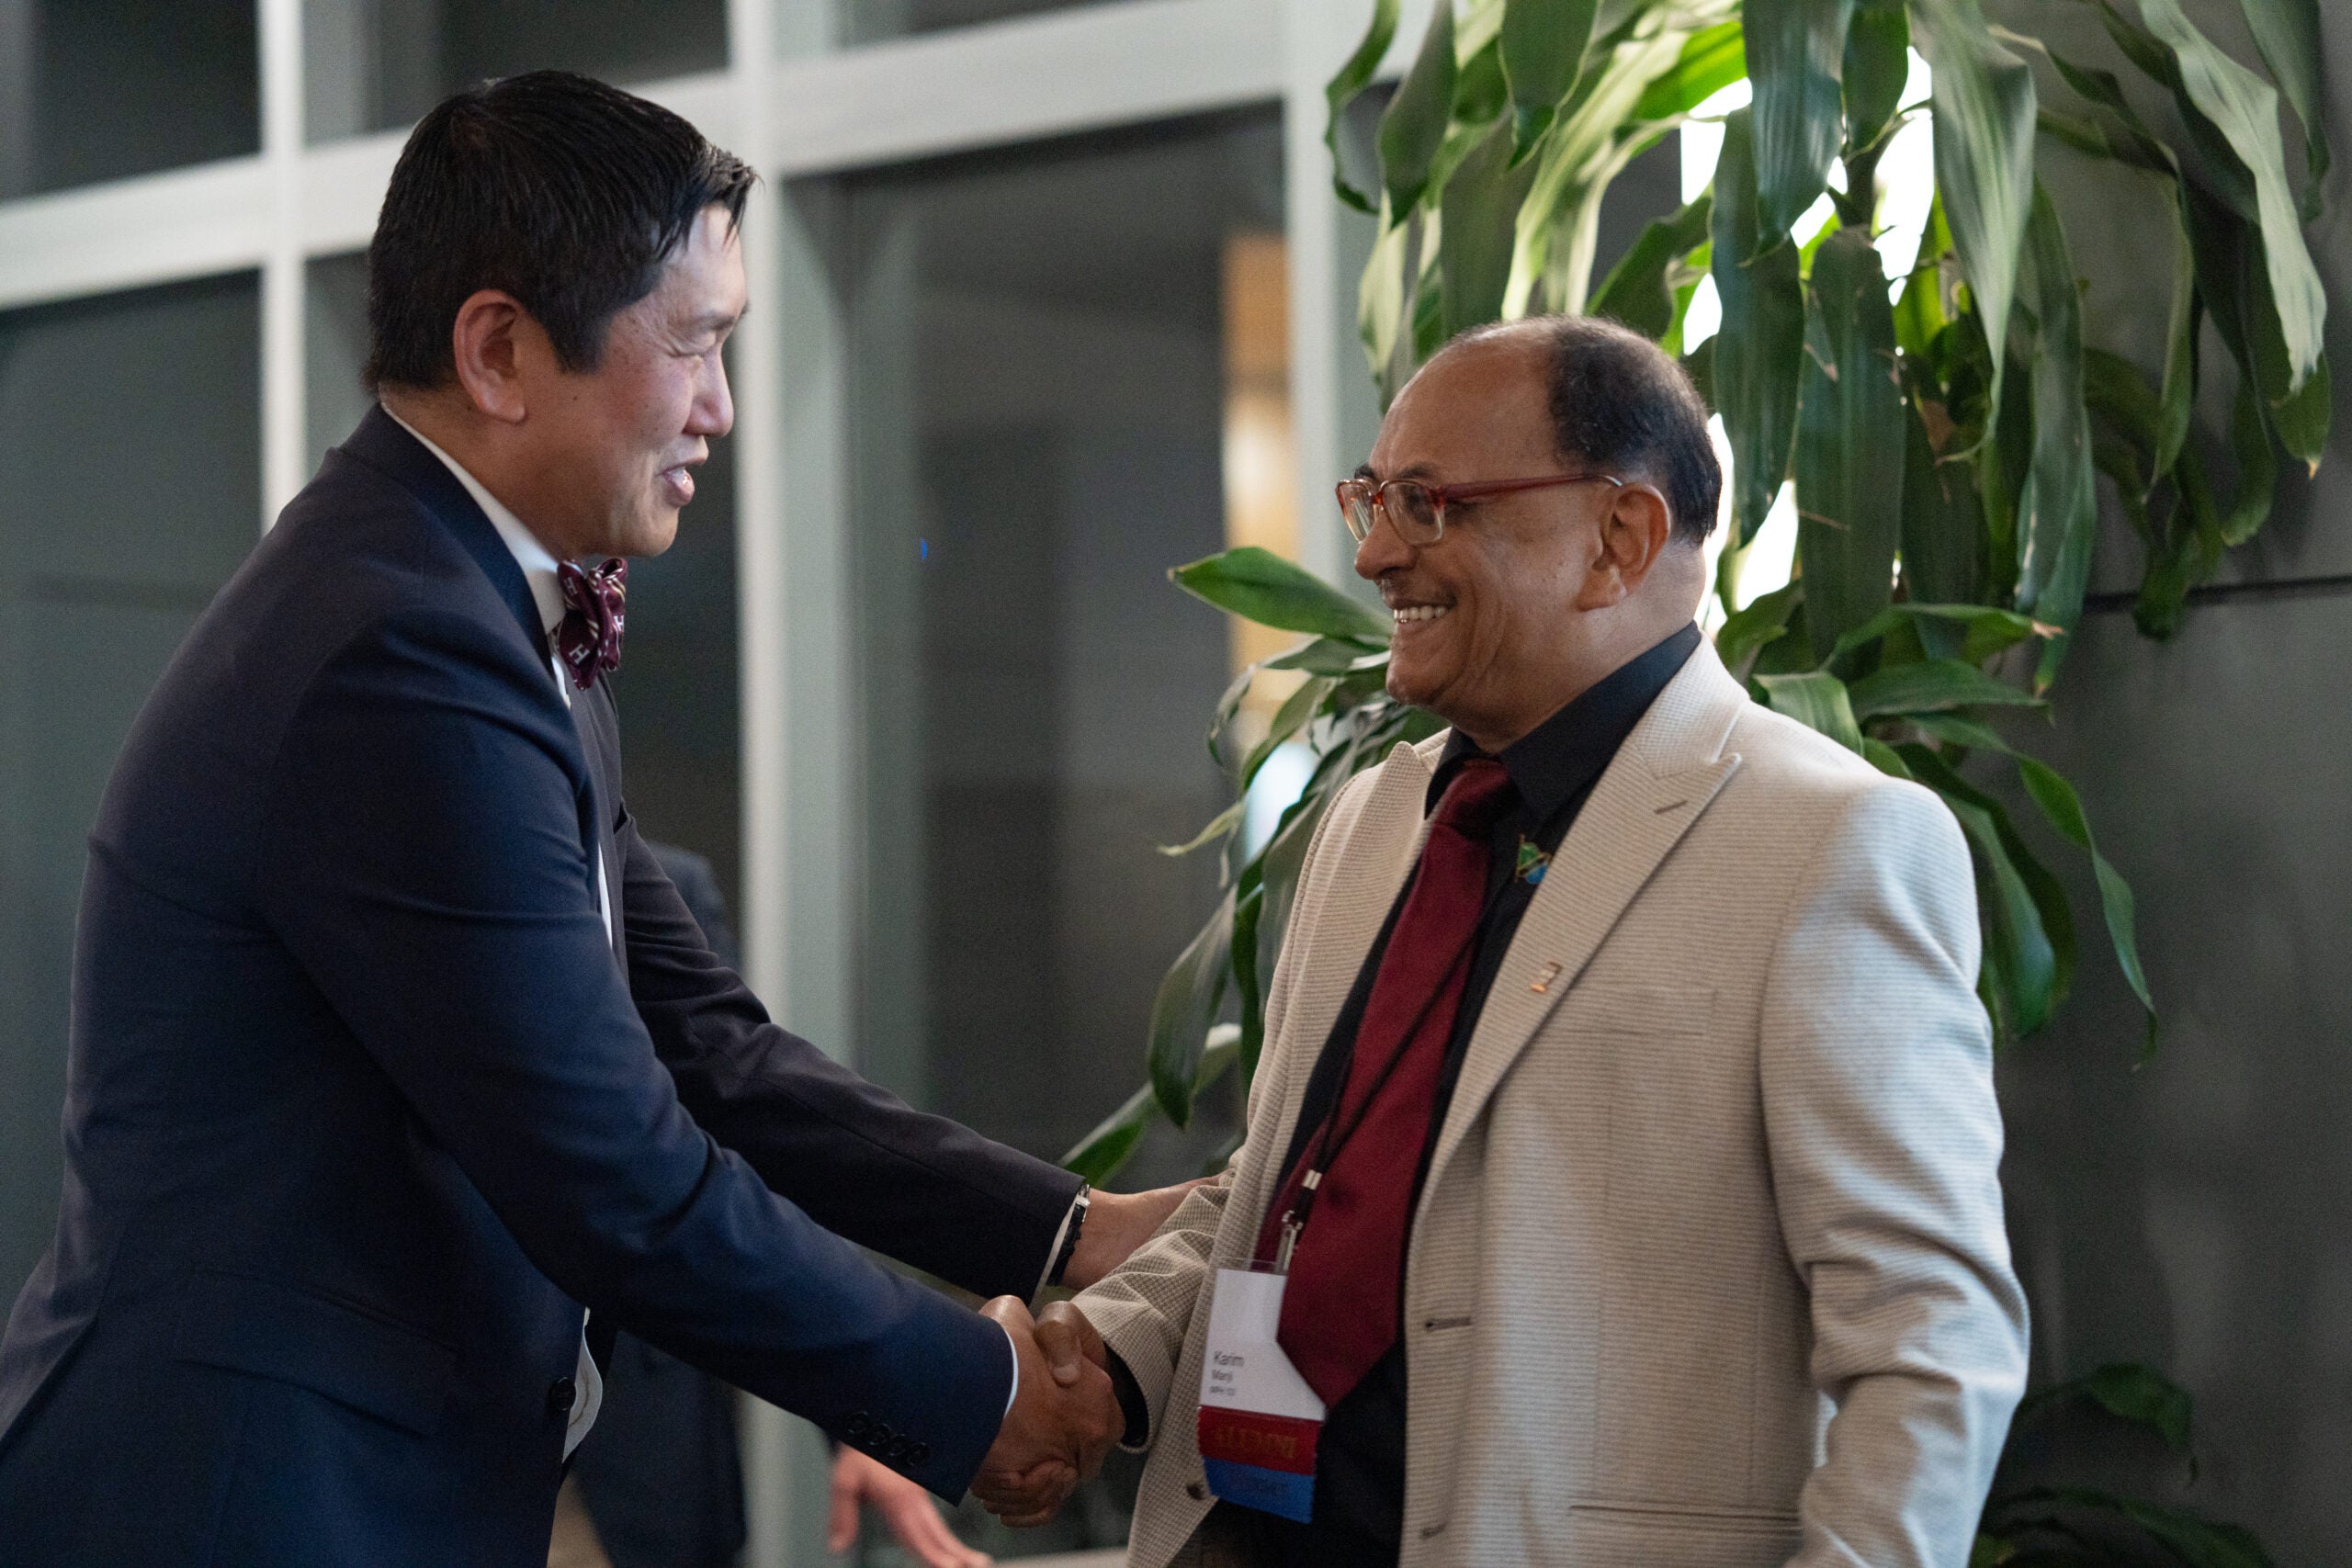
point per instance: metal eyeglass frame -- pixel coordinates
(1372, 495)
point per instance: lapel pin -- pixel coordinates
(1543, 978)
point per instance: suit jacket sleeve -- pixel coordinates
(859, 1160)
(424, 861)
(1885, 1147)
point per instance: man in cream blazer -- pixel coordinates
(1706, 1265)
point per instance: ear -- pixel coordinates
(493, 341)
(1631, 535)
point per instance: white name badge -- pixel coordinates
(1258, 1419)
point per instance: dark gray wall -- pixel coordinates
(2196, 1214)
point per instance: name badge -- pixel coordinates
(1259, 1420)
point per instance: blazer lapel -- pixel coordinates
(600, 743)
(382, 443)
(1381, 847)
(1661, 780)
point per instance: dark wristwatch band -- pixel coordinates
(1070, 1236)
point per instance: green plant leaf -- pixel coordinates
(1933, 685)
(1476, 239)
(1850, 442)
(1886, 758)
(1327, 655)
(1345, 87)
(2024, 958)
(1288, 720)
(1984, 629)
(1413, 126)
(2257, 469)
(2235, 279)
(1878, 65)
(1816, 699)
(1099, 1155)
(1940, 521)
(1710, 61)
(2058, 513)
(1635, 291)
(2243, 109)
(1759, 351)
(1763, 620)
(1184, 1007)
(1796, 53)
(1587, 147)
(2192, 1540)
(2179, 392)
(1984, 112)
(1260, 586)
(2286, 33)
(2128, 1391)
(1248, 988)
(1220, 824)
(2062, 807)
(1543, 45)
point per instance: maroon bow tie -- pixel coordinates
(589, 636)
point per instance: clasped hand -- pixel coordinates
(1064, 1414)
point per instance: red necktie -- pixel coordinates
(595, 603)
(1340, 1309)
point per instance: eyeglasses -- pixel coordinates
(1416, 509)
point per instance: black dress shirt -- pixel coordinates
(1359, 1461)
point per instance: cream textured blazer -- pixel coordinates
(1709, 1270)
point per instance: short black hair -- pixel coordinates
(1621, 402)
(565, 193)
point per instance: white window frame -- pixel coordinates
(805, 109)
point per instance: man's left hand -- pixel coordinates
(912, 1517)
(1118, 1223)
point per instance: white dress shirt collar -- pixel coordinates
(538, 565)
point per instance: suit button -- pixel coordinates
(857, 1425)
(920, 1455)
(561, 1393)
(897, 1449)
(1197, 1491)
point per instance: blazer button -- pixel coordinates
(857, 1425)
(561, 1393)
(920, 1455)
(1197, 1491)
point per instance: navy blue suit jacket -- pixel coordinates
(363, 1107)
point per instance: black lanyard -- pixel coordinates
(1324, 1151)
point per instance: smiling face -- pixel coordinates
(612, 450)
(1529, 597)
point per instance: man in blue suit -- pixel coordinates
(395, 1055)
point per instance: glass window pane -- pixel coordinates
(379, 64)
(97, 90)
(865, 21)
(156, 391)
(1067, 372)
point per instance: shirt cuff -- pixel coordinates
(1013, 1345)
(1054, 1253)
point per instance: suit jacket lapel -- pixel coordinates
(1373, 864)
(599, 726)
(382, 444)
(1661, 780)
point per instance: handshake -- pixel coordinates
(1064, 1414)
